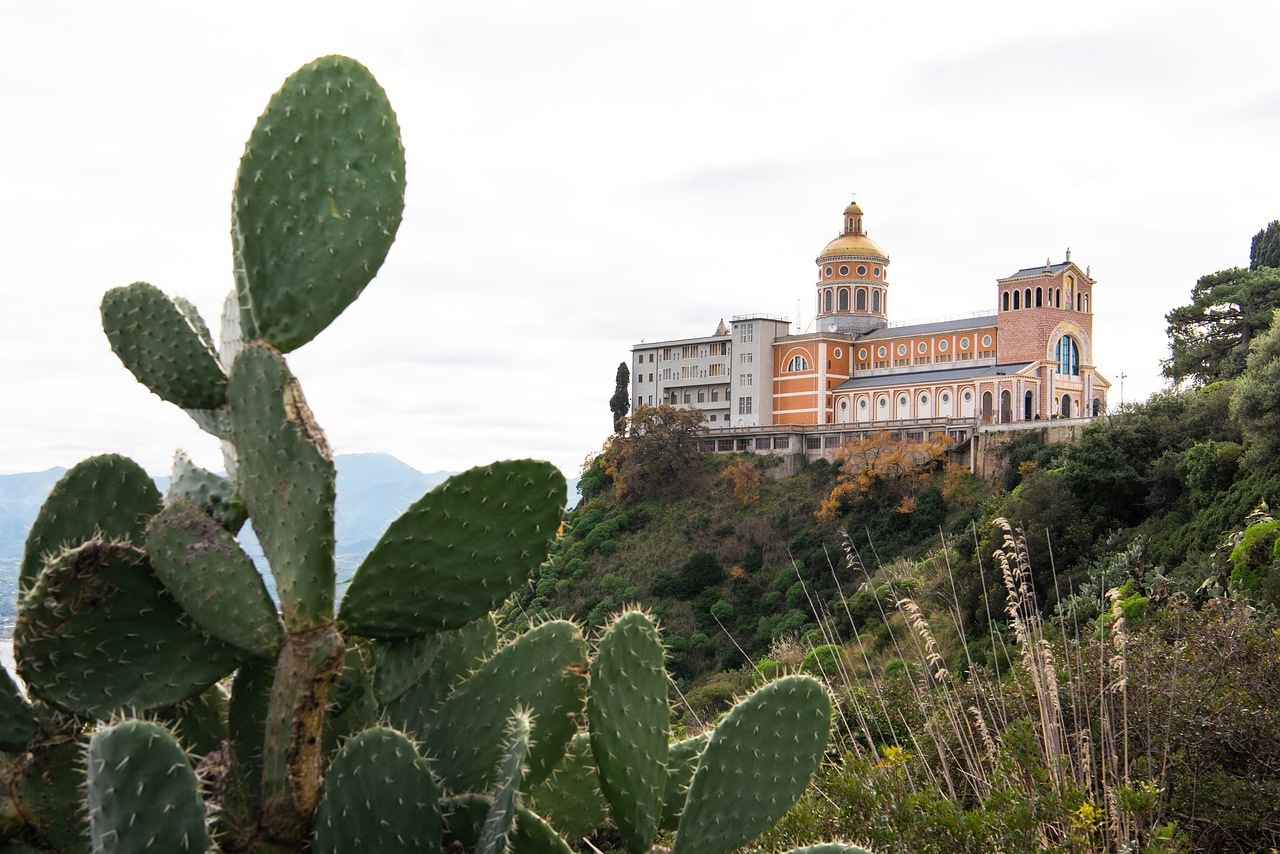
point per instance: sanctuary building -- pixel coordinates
(1028, 358)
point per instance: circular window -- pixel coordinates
(902, 400)
(884, 401)
(946, 398)
(964, 343)
(862, 353)
(876, 272)
(924, 398)
(882, 352)
(862, 403)
(839, 353)
(826, 272)
(844, 404)
(844, 269)
(862, 270)
(942, 346)
(968, 396)
(986, 340)
(902, 349)
(922, 347)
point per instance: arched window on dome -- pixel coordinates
(1004, 301)
(875, 301)
(860, 299)
(826, 301)
(797, 363)
(1015, 301)
(1068, 354)
(1039, 297)
(844, 299)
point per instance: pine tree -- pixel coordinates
(620, 403)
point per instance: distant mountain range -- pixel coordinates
(372, 490)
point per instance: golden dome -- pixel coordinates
(852, 244)
(852, 209)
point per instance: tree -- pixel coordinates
(882, 469)
(1209, 338)
(620, 403)
(657, 454)
(1255, 406)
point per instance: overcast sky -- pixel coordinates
(582, 176)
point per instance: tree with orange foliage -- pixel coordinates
(882, 469)
(746, 480)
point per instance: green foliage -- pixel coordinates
(1253, 560)
(1209, 338)
(620, 402)
(1256, 404)
(824, 662)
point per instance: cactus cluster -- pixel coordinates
(171, 706)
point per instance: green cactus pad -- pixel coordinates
(756, 766)
(286, 478)
(446, 658)
(458, 552)
(205, 570)
(544, 672)
(352, 705)
(570, 798)
(48, 788)
(247, 725)
(682, 761)
(629, 718)
(108, 497)
(200, 723)
(212, 493)
(501, 819)
(142, 793)
(317, 201)
(160, 347)
(830, 848)
(17, 720)
(98, 633)
(464, 817)
(379, 796)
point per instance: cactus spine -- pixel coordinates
(133, 604)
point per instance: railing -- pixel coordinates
(943, 318)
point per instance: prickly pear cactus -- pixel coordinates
(270, 723)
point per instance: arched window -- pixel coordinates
(1057, 297)
(860, 299)
(843, 301)
(1026, 298)
(1086, 303)
(826, 301)
(1028, 401)
(875, 301)
(1097, 407)
(1004, 301)
(986, 405)
(1006, 407)
(1066, 406)
(798, 363)
(1079, 301)
(1039, 297)
(1068, 354)
(1015, 301)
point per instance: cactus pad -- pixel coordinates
(501, 819)
(214, 494)
(446, 659)
(570, 798)
(629, 719)
(143, 794)
(830, 848)
(47, 786)
(756, 766)
(379, 796)
(17, 720)
(682, 761)
(286, 478)
(543, 671)
(161, 348)
(107, 497)
(317, 201)
(98, 633)
(465, 815)
(205, 570)
(457, 552)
